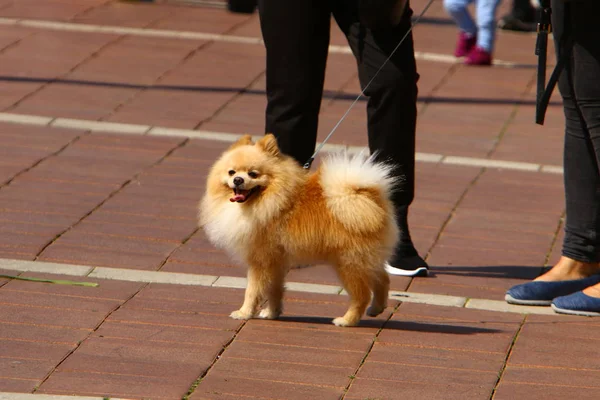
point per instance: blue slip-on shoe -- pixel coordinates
(577, 303)
(541, 293)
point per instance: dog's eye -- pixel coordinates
(231, 172)
(253, 174)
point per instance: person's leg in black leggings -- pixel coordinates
(580, 89)
(296, 35)
(579, 85)
(572, 285)
(391, 112)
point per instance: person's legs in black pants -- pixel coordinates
(296, 35)
(391, 112)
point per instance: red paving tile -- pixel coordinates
(508, 391)
(274, 353)
(377, 388)
(122, 13)
(312, 333)
(111, 385)
(18, 385)
(330, 376)
(215, 385)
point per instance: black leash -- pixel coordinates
(362, 92)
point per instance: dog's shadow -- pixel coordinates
(410, 326)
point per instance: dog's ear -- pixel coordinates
(269, 144)
(243, 141)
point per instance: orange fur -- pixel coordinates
(294, 217)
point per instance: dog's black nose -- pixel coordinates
(237, 181)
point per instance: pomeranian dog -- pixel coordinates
(271, 214)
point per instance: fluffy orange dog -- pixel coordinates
(269, 212)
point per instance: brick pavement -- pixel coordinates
(104, 197)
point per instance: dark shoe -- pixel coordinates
(242, 6)
(479, 56)
(512, 23)
(407, 266)
(577, 303)
(464, 44)
(541, 293)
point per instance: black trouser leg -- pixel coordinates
(579, 86)
(296, 35)
(523, 10)
(391, 105)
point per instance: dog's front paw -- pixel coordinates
(239, 314)
(341, 321)
(269, 314)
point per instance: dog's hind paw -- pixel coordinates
(269, 314)
(375, 311)
(239, 314)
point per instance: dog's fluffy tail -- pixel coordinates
(357, 191)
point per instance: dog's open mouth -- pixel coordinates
(240, 195)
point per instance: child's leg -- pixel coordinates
(486, 23)
(459, 12)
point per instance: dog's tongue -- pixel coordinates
(238, 197)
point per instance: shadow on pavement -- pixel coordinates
(397, 325)
(219, 89)
(496, 271)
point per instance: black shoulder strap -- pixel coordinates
(544, 92)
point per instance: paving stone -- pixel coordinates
(506, 391)
(555, 352)
(18, 385)
(542, 375)
(152, 276)
(179, 306)
(106, 385)
(309, 334)
(292, 372)
(215, 384)
(274, 353)
(165, 318)
(163, 360)
(149, 333)
(131, 231)
(131, 245)
(53, 268)
(106, 289)
(141, 220)
(39, 315)
(18, 349)
(67, 303)
(204, 269)
(410, 355)
(192, 294)
(369, 388)
(34, 370)
(431, 373)
(48, 334)
(64, 253)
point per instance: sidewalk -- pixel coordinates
(111, 114)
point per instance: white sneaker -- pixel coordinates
(420, 271)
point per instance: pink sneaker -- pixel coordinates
(479, 56)
(464, 44)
